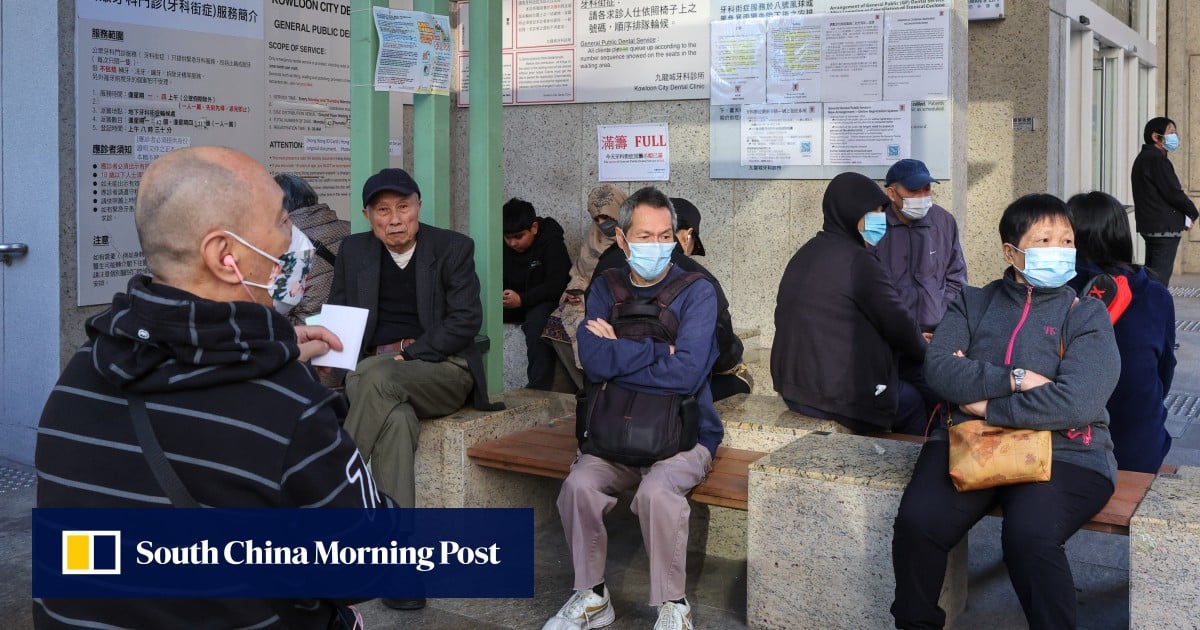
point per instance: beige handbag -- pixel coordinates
(985, 456)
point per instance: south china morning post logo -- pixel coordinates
(91, 552)
(334, 553)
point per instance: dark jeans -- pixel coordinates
(1160, 255)
(540, 370)
(910, 414)
(725, 385)
(1038, 520)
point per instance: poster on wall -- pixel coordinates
(414, 52)
(744, 10)
(739, 64)
(916, 61)
(876, 132)
(633, 153)
(782, 135)
(852, 58)
(255, 75)
(794, 58)
(596, 51)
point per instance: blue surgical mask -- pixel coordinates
(1048, 267)
(1171, 141)
(874, 227)
(648, 260)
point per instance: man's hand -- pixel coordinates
(601, 329)
(511, 299)
(976, 409)
(315, 341)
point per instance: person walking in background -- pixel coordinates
(603, 206)
(1161, 207)
(322, 226)
(1143, 316)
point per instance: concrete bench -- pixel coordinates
(1164, 553)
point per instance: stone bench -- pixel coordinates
(1164, 553)
(819, 534)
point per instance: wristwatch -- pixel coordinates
(1018, 375)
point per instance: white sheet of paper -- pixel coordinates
(348, 323)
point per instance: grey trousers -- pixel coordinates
(388, 398)
(589, 492)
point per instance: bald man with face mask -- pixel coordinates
(200, 346)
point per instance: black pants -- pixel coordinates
(1160, 255)
(1038, 520)
(910, 415)
(540, 370)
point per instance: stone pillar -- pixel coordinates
(1164, 554)
(820, 534)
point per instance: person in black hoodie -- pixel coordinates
(242, 420)
(1161, 207)
(840, 325)
(537, 268)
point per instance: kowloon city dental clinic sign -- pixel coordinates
(241, 552)
(332, 553)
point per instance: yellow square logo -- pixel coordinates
(91, 553)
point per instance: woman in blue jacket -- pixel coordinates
(1145, 332)
(1017, 353)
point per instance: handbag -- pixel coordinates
(985, 456)
(634, 428)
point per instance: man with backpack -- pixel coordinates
(646, 417)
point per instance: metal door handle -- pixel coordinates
(10, 250)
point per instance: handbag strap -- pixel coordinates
(164, 474)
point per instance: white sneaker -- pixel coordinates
(584, 610)
(672, 616)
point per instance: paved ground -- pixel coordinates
(717, 587)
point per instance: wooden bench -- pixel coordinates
(549, 451)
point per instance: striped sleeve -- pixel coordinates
(323, 468)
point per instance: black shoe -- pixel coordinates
(414, 603)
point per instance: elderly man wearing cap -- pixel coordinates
(921, 254)
(920, 250)
(419, 356)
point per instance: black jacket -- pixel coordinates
(539, 274)
(244, 424)
(839, 323)
(1159, 202)
(447, 296)
(729, 346)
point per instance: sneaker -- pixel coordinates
(672, 616)
(584, 610)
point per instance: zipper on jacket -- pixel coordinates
(1024, 314)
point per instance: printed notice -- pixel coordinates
(595, 51)
(150, 82)
(852, 58)
(739, 68)
(781, 135)
(633, 153)
(916, 55)
(464, 79)
(794, 59)
(867, 133)
(414, 52)
(742, 10)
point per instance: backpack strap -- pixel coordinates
(676, 286)
(323, 251)
(614, 277)
(164, 474)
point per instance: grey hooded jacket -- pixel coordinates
(1023, 327)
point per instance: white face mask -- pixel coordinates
(286, 284)
(916, 208)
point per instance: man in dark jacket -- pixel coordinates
(419, 354)
(729, 375)
(243, 423)
(646, 235)
(537, 269)
(1161, 207)
(839, 324)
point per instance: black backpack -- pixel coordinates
(632, 427)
